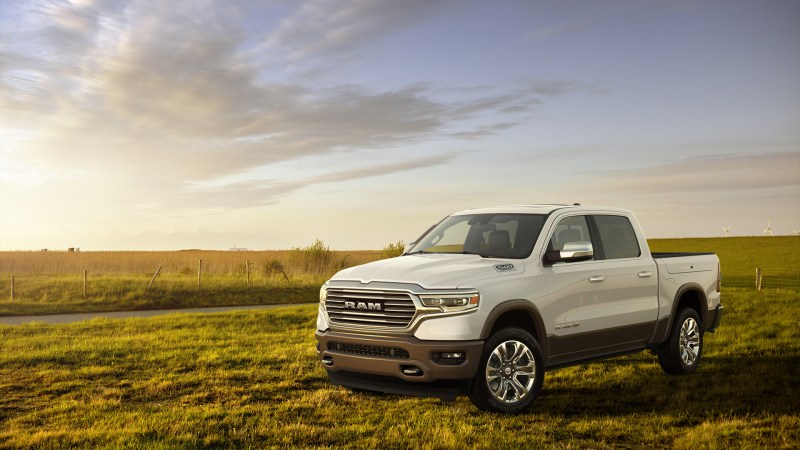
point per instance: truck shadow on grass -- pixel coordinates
(722, 385)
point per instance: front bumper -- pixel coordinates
(395, 357)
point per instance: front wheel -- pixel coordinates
(680, 354)
(510, 374)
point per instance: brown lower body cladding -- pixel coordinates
(370, 362)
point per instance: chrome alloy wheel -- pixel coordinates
(510, 372)
(689, 343)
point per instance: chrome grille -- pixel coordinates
(359, 307)
(369, 350)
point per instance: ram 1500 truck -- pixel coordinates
(487, 300)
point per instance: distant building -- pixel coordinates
(238, 249)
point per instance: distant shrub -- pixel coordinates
(275, 267)
(394, 249)
(316, 258)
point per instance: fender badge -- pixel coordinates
(504, 267)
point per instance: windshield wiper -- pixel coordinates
(467, 252)
(415, 253)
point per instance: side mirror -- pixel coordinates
(572, 252)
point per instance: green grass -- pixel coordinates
(251, 379)
(53, 294)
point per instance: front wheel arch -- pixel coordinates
(517, 313)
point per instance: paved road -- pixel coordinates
(68, 318)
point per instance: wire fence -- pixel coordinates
(760, 278)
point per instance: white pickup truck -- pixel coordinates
(489, 299)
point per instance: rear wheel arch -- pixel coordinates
(691, 296)
(688, 296)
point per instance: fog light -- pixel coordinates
(449, 358)
(411, 371)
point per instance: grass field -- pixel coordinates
(251, 379)
(52, 282)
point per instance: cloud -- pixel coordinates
(335, 27)
(709, 173)
(177, 84)
(558, 29)
(252, 193)
(124, 92)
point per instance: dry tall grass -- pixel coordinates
(294, 262)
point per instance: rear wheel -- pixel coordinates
(681, 353)
(510, 374)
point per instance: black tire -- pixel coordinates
(508, 382)
(680, 354)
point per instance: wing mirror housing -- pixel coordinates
(572, 252)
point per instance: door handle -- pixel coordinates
(596, 279)
(646, 274)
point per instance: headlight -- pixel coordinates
(451, 302)
(323, 293)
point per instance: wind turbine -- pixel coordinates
(768, 231)
(796, 232)
(726, 230)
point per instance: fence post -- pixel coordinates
(199, 269)
(247, 269)
(153, 279)
(12, 288)
(84, 283)
(758, 278)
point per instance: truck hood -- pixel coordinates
(432, 271)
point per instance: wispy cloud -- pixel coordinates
(252, 193)
(710, 173)
(558, 29)
(334, 28)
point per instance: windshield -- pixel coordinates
(488, 235)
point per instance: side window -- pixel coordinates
(570, 229)
(617, 237)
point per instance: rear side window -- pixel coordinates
(617, 236)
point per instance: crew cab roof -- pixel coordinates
(536, 209)
(514, 209)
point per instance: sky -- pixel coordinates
(152, 125)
